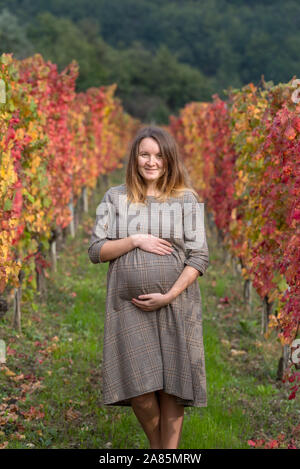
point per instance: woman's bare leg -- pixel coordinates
(171, 420)
(147, 411)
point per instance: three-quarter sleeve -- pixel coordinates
(101, 228)
(197, 254)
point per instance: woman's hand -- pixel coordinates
(151, 301)
(151, 243)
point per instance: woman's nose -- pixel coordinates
(152, 159)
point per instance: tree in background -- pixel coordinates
(13, 36)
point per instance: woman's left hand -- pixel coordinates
(151, 301)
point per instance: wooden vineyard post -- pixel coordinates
(248, 296)
(53, 256)
(238, 266)
(99, 182)
(72, 225)
(61, 234)
(3, 307)
(220, 237)
(17, 303)
(79, 209)
(40, 274)
(227, 259)
(76, 215)
(283, 362)
(85, 200)
(210, 222)
(266, 311)
(64, 235)
(53, 250)
(105, 181)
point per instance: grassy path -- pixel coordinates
(50, 388)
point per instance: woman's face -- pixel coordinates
(150, 160)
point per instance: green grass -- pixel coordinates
(244, 399)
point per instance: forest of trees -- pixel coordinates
(161, 54)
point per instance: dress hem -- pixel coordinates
(121, 402)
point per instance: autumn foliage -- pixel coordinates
(53, 143)
(243, 157)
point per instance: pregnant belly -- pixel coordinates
(140, 272)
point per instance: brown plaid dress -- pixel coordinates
(145, 351)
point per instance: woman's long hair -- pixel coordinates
(175, 179)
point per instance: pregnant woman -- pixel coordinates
(150, 231)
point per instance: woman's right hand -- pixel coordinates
(151, 243)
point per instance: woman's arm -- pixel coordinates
(197, 252)
(187, 276)
(197, 259)
(102, 247)
(154, 301)
(114, 248)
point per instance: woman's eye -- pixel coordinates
(145, 154)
